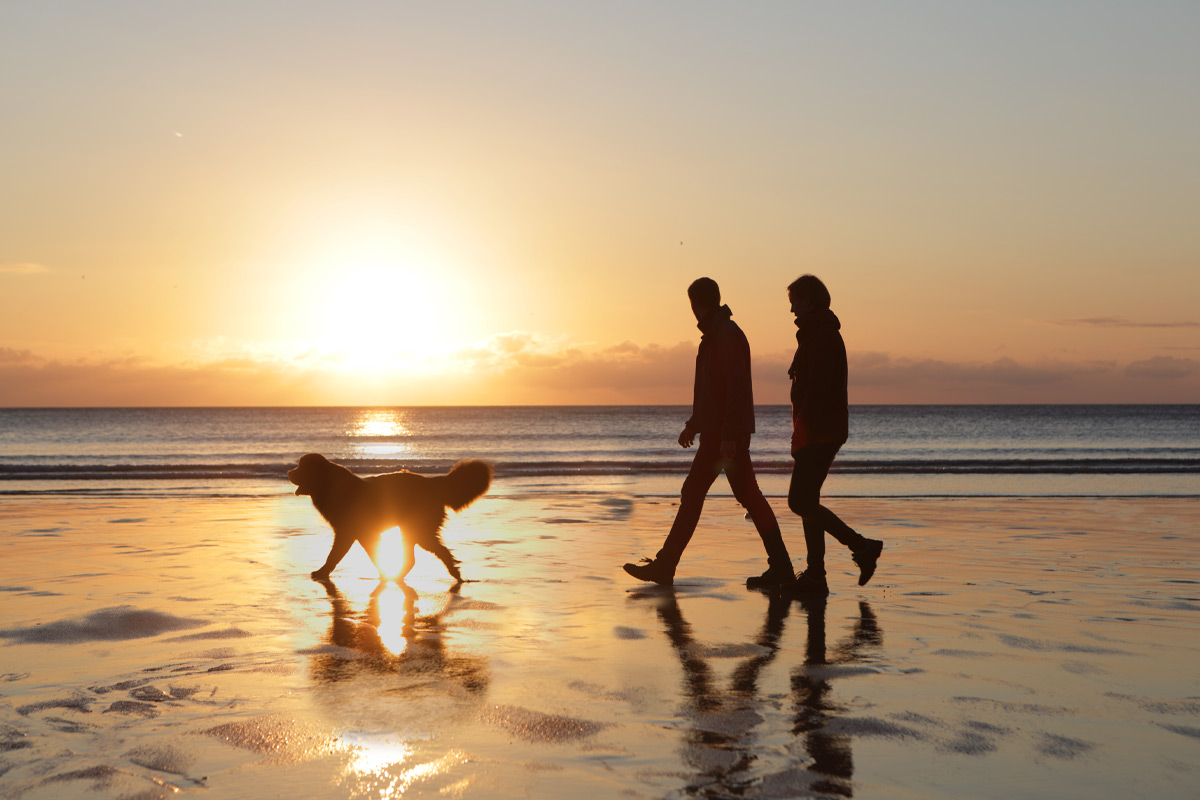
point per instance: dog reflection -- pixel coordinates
(395, 640)
(721, 742)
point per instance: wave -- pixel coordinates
(583, 467)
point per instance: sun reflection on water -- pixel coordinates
(395, 620)
(382, 766)
(380, 423)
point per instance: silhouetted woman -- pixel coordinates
(820, 426)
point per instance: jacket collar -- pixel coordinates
(713, 319)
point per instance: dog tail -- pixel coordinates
(466, 482)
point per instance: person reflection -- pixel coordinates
(719, 744)
(395, 640)
(813, 704)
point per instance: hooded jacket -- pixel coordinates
(820, 405)
(723, 398)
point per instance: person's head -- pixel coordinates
(807, 293)
(705, 296)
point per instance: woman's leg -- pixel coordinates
(811, 467)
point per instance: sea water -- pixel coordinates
(1009, 450)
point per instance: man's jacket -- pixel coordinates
(722, 400)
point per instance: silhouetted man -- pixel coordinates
(820, 426)
(723, 417)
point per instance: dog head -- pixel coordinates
(311, 473)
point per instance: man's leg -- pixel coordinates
(705, 468)
(744, 484)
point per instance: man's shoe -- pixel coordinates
(774, 577)
(808, 583)
(652, 571)
(866, 557)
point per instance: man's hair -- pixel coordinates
(705, 291)
(809, 287)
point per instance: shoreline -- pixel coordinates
(1034, 646)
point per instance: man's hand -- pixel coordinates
(728, 449)
(686, 438)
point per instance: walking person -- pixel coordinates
(820, 426)
(723, 418)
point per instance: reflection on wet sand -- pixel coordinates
(813, 705)
(387, 679)
(720, 744)
(391, 638)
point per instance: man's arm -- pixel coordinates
(687, 437)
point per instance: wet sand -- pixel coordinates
(1006, 648)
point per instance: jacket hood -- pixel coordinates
(819, 319)
(815, 320)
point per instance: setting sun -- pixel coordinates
(380, 312)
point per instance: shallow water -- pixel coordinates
(1083, 450)
(1022, 647)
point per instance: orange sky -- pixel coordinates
(392, 204)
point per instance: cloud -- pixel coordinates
(882, 378)
(523, 368)
(880, 369)
(11, 356)
(1163, 368)
(30, 380)
(555, 371)
(1121, 322)
(23, 269)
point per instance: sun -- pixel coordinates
(383, 311)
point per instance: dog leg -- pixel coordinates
(447, 558)
(410, 560)
(372, 548)
(341, 546)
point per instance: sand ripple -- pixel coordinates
(107, 624)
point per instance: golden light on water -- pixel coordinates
(383, 768)
(375, 757)
(380, 424)
(395, 619)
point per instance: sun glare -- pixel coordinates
(386, 426)
(391, 553)
(427, 571)
(383, 766)
(379, 314)
(379, 423)
(377, 304)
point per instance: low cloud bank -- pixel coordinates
(521, 368)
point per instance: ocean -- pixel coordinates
(893, 451)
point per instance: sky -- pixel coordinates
(389, 203)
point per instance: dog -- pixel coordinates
(361, 509)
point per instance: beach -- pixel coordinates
(1031, 647)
